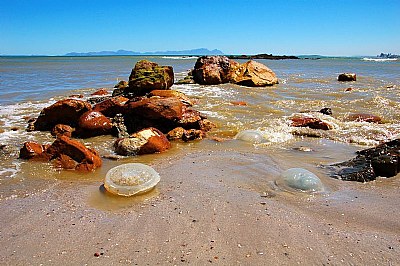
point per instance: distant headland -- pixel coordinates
(263, 56)
(200, 51)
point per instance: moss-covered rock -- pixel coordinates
(147, 76)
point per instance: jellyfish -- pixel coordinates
(302, 179)
(253, 136)
(131, 179)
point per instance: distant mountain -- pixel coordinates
(200, 51)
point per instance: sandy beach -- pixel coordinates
(204, 212)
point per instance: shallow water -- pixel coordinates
(28, 84)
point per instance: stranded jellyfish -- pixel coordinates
(131, 179)
(253, 136)
(302, 179)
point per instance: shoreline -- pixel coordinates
(203, 211)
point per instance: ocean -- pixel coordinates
(28, 84)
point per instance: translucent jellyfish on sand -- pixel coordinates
(302, 179)
(131, 179)
(253, 136)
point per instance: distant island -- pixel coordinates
(263, 56)
(200, 51)
(389, 55)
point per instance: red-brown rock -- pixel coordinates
(92, 124)
(311, 122)
(33, 150)
(241, 103)
(87, 159)
(65, 112)
(61, 129)
(100, 92)
(112, 106)
(157, 108)
(364, 118)
(172, 93)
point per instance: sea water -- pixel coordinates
(28, 84)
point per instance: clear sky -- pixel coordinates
(291, 27)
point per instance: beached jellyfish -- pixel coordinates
(302, 179)
(253, 136)
(131, 179)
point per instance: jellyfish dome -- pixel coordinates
(302, 179)
(253, 136)
(131, 179)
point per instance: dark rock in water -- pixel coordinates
(364, 118)
(65, 112)
(383, 160)
(358, 169)
(311, 122)
(326, 111)
(61, 129)
(92, 124)
(347, 77)
(212, 70)
(385, 165)
(147, 76)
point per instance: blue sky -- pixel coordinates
(340, 27)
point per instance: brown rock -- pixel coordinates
(87, 159)
(61, 129)
(33, 150)
(206, 125)
(147, 76)
(65, 112)
(193, 134)
(65, 162)
(92, 124)
(176, 133)
(100, 92)
(211, 70)
(311, 122)
(347, 77)
(171, 93)
(121, 84)
(112, 106)
(364, 118)
(241, 103)
(157, 108)
(254, 74)
(146, 141)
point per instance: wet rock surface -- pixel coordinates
(347, 77)
(382, 160)
(65, 112)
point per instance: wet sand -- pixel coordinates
(204, 211)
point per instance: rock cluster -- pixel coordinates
(141, 113)
(213, 70)
(383, 160)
